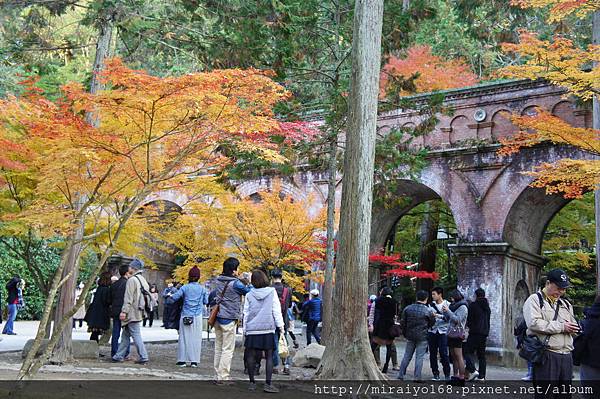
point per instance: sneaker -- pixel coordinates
(527, 378)
(180, 364)
(436, 377)
(473, 376)
(194, 365)
(275, 370)
(270, 389)
(141, 361)
(286, 371)
(223, 382)
(117, 360)
(296, 345)
(482, 379)
(252, 386)
(396, 368)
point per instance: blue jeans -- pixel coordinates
(411, 346)
(116, 334)
(131, 330)
(10, 320)
(438, 343)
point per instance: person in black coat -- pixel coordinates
(385, 313)
(97, 316)
(587, 348)
(12, 300)
(478, 323)
(117, 295)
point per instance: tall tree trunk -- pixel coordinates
(596, 125)
(428, 250)
(348, 355)
(330, 250)
(63, 349)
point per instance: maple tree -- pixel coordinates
(273, 231)
(154, 133)
(564, 64)
(421, 71)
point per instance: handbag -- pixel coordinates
(212, 319)
(188, 321)
(456, 332)
(283, 350)
(395, 331)
(533, 349)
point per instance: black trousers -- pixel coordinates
(552, 374)
(475, 346)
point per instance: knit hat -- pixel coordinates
(136, 264)
(194, 273)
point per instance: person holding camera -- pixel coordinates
(550, 318)
(195, 297)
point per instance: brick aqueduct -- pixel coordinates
(500, 220)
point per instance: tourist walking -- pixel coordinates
(117, 296)
(437, 336)
(587, 348)
(153, 306)
(372, 315)
(284, 295)
(385, 309)
(132, 313)
(416, 319)
(551, 319)
(228, 295)
(457, 314)
(12, 300)
(154, 295)
(169, 289)
(314, 309)
(262, 316)
(478, 323)
(80, 313)
(195, 297)
(97, 316)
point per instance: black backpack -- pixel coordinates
(520, 331)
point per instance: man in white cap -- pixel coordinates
(315, 307)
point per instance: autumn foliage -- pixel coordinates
(421, 71)
(559, 9)
(559, 62)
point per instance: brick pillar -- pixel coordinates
(508, 276)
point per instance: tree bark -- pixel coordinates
(348, 355)
(63, 350)
(330, 250)
(596, 125)
(428, 250)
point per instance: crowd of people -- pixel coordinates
(453, 331)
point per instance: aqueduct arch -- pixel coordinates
(499, 218)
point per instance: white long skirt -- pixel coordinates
(190, 341)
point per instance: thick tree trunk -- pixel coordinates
(348, 355)
(330, 250)
(63, 350)
(428, 250)
(596, 125)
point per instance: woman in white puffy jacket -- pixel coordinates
(262, 316)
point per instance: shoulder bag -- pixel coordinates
(456, 331)
(212, 319)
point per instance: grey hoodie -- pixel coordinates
(262, 311)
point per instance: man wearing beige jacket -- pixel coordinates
(132, 313)
(556, 329)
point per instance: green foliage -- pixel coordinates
(569, 245)
(46, 256)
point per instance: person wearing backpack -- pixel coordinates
(550, 318)
(136, 302)
(284, 293)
